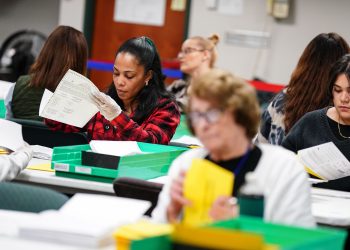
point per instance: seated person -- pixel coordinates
(65, 48)
(307, 89)
(198, 54)
(224, 114)
(12, 164)
(137, 107)
(330, 124)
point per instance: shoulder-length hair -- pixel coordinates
(65, 48)
(308, 87)
(145, 52)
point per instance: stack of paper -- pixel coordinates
(325, 161)
(140, 230)
(85, 220)
(117, 148)
(70, 103)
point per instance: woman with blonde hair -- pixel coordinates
(224, 114)
(197, 55)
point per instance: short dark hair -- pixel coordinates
(144, 50)
(65, 48)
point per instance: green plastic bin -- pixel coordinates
(153, 163)
(282, 236)
(2, 109)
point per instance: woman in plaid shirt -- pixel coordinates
(137, 106)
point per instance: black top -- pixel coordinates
(248, 166)
(344, 129)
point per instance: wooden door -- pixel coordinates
(108, 35)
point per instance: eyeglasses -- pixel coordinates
(187, 51)
(211, 116)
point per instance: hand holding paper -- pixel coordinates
(107, 106)
(205, 182)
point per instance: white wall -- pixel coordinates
(288, 38)
(38, 15)
(71, 13)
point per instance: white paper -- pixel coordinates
(117, 148)
(4, 88)
(42, 152)
(71, 103)
(85, 220)
(146, 12)
(326, 160)
(10, 135)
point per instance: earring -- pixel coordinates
(146, 84)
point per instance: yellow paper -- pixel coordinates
(42, 167)
(310, 171)
(218, 238)
(204, 183)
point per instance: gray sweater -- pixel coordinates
(311, 130)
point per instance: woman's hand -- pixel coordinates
(177, 200)
(223, 208)
(107, 106)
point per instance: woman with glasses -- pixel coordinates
(197, 55)
(329, 124)
(137, 106)
(224, 114)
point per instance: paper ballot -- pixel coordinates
(325, 161)
(204, 183)
(70, 103)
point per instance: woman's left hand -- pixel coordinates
(223, 208)
(107, 106)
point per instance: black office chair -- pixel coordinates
(37, 133)
(138, 189)
(27, 198)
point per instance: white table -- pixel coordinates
(331, 207)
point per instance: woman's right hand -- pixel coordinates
(177, 199)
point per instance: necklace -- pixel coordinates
(346, 137)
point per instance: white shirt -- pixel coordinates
(281, 178)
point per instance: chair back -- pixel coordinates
(37, 133)
(27, 198)
(138, 189)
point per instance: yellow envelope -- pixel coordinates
(204, 183)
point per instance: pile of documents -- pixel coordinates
(85, 220)
(325, 161)
(140, 230)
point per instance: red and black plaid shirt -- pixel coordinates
(158, 128)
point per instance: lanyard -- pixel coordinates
(242, 161)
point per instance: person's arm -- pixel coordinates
(11, 165)
(158, 128)
(289, 201)
(294, 138)
(59, 126)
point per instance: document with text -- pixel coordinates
(325, 161)
(70, 103)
